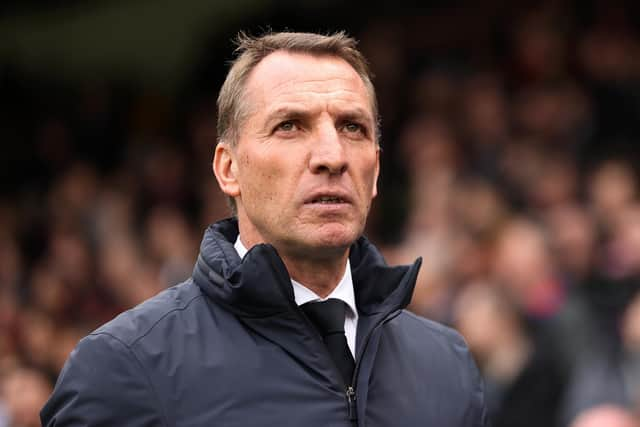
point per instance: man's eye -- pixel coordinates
(287, 126)
(354, 127)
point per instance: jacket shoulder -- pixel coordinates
(442, 345)
(137, 322)
(103, 383)
(105, 372)
(448, 353)
(438, 331)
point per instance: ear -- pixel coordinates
(225, 168)
(374, 191)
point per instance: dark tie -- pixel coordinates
(328, 317)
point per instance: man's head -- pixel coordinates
(298, 148)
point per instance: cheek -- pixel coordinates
(368, 176)
(261, 179)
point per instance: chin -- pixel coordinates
(336, 236)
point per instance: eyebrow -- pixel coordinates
(357, 113)
(287, 112)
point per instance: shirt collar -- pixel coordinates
(302, 294)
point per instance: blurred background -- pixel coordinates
(509, 134)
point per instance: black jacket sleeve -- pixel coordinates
(102, 384)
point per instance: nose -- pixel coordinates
(328, 152)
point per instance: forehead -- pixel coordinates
(298, 77)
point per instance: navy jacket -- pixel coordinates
(230, 347)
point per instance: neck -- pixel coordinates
(320, 276)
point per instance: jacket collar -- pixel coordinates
(259, 284)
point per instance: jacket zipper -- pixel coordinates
(350, 392)
(351, 401)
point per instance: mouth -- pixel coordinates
(328, 198)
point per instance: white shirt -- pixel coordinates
(343, 292)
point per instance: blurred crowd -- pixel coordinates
(509, 165)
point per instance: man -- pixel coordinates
(242, 343)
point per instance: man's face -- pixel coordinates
(305, 165)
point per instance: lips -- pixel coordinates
(328, 197)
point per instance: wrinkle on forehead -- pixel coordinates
(334, 80)
(273, 101)
(300, 90)
(292, 75)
